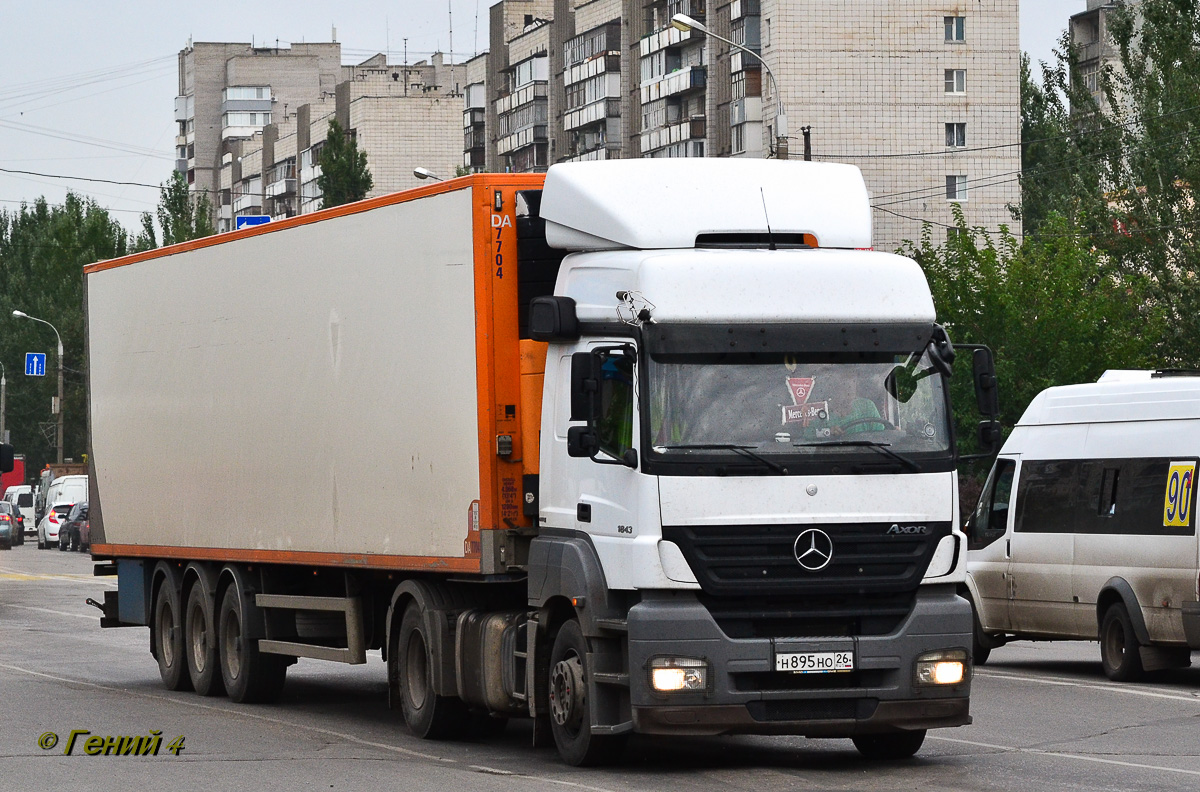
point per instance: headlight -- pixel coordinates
(947, 667)
(678, 675)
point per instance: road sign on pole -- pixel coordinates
(35, 364)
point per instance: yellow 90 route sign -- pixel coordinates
(1177, 502)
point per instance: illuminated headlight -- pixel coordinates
(947, 667)
(678, 674)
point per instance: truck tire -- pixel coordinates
(427, 714)
(200, 643)
(890, 747)
(570, 711)
(1119, 646)
(249, 676)
(168, 635)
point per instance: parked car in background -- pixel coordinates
(49, 527)
(8, 525)
(70, 534)
(18, 525)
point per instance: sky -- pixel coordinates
(87, 89)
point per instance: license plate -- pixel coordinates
(814, 662)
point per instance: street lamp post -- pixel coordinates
(23, 315)
(685, 23)
(3, 399)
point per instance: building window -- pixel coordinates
(956, 135)
(954, 235)
(956, 188)
(955, 28)
(1091, 79)
(956, 81)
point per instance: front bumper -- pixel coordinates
(745, 694)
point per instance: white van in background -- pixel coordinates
(63, 491)
(1086, 527)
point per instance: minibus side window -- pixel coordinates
(990, 519)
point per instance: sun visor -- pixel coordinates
(649, 204)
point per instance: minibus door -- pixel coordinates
(988, 533)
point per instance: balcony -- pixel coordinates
(691, 129)
(247, 204)
(474, 139)
(521, 96)
(522, 138)
(1087, 52)
(667, 37)
(592, 113)
(693, 78)
(281, 187)
(472, 117)
(743, 110)
(610, 62)
(744, 8)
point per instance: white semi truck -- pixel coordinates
(654, 447)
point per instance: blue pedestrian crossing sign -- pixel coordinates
(35, 364)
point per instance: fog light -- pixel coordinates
(678, 674)
(942, 668)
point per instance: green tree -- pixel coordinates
(181, 216)
(1067, 146)
(1154, 183)
(43, 249)
(344, 176)
(1052, 308)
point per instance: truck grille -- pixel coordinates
(754, 587)
(732, 560)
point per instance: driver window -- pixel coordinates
(990, 519)
(615, 427)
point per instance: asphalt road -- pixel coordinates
(1045, 719)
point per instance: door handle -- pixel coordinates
(583, 512)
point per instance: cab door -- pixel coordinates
(989, 534)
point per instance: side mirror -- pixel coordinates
(585, 386)
(553, 319)
(990, 436)
(986, 392)
(941, 351)
(6, 458)
(582, 441)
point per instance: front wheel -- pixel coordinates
(1120, 653)
(981, 646)
(570, 710)
(889, 747)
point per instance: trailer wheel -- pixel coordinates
(427, 714)
(249, 676)
(1119, 647)
(890, 747)
(168, 636)
(570, 710)
(200, 643)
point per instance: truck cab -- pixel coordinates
(749, 462)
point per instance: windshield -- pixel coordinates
(797, 404)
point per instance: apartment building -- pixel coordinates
(1095, 50)
(253, 122)
(923, 96)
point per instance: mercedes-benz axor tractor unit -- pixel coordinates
(633, 447)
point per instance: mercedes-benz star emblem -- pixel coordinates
(813, 549)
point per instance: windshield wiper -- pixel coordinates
(880, 447)
(747, 451)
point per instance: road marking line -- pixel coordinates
(1059, 682)
(1065, 755)
(48, 610)
(13, 574)
(294, 725)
